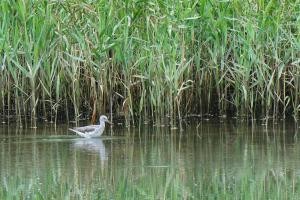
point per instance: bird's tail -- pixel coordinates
(79, 133)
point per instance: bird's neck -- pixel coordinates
(102, 123)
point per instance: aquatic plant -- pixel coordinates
(156, 59)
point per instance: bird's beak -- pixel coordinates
(109, 122)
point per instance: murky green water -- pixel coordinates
(214, 161)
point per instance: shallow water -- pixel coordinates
(210, 160)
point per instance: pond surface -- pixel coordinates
(208, 160)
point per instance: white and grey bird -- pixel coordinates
(91, 130)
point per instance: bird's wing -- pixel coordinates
(80, 133)
(86, 129)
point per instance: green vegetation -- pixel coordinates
(160, 184)
(149, 58)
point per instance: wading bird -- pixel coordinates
(91, 130)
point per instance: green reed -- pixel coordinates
(153, 59)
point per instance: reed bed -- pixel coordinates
(148, 59)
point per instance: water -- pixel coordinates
(212, 160)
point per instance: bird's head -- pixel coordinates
(103, 118)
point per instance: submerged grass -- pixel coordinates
(165, 183)
(149, 58)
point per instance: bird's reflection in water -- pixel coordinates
(94, 145)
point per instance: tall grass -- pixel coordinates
(153, 59)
